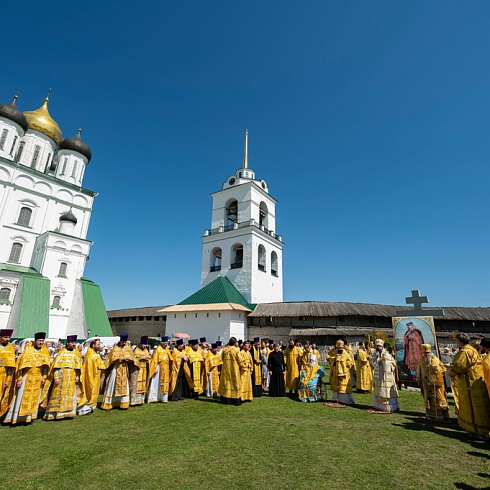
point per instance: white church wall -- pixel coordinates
(8, 280)
(15, 309)
(76, 324)
(57, 323)
(71, 167)
(47, 202)
(266, 288)
(39, 147)
(213, 325)
(8, 148)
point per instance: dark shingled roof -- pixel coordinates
(147, 311)
(326, 308)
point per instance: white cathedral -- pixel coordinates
(44, 218)
(241, 261)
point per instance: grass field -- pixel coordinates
(269, 443)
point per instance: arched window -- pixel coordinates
(3, 138)
(56, 302)
(5, 295)
(263, 215)
(274, 265)
(232, 214)
(216, 255)
(35, 156)
(15, 252)
(62, 271)
(13, 145)
(262, 258)
(20, 150)
(24, 218)
(236, 256)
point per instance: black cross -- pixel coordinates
(416, 300)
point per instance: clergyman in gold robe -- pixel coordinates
(64, 375)
(7, 369)
(180, 379)
(92, 373)
(485, 343)
(246, 368)
(384, 382)
(230, 382)
(212, 365)
(474, 401)
(340, 362)
(197, 382)
(292, 357)
(256, 354)
(364, 373)
(430, 376)
(159, 373)
(30, 377)
(138, 380)
(117, 363)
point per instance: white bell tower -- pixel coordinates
(242, 243)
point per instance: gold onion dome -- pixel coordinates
(41, 121)
(76, 144)
(10, 111)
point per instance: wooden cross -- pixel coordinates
(416, 300)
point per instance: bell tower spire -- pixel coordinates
(245, 151)
(242, 244)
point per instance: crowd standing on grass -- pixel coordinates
(66, 382)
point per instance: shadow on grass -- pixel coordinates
(464, 486)
(479, 455)
(446, 430)
(208, 400)
(420, 424)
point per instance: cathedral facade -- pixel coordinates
(44, 218)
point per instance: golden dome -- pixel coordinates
(41, 121)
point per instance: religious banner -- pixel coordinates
(409, 334)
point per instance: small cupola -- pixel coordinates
(77, 145)
(10, 112)
(68, 221)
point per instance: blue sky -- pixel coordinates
(368, 120)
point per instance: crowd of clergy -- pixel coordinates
(69, 382)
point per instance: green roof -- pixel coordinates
(19, 268)
(34, 306)
(221, 290)
(95, 313)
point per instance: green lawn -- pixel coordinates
(269, 443)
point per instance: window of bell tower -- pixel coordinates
(216, 255)
(236, 256)
(262, 258)
(263, 215)
(274, 265)
(231, 213)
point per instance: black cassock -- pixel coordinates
(181, 390)
(277, 367)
